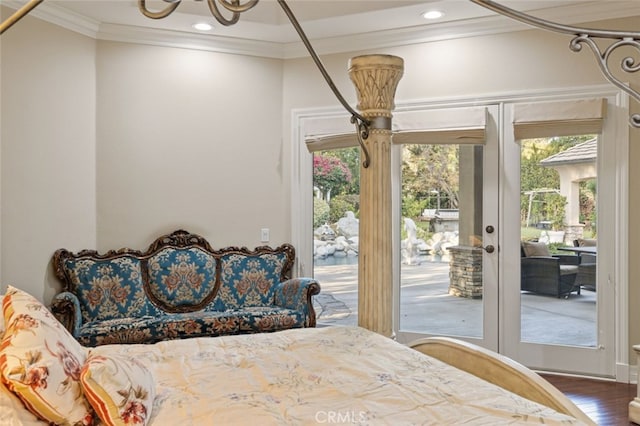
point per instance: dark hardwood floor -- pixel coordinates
(606, 402)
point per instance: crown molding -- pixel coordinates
(61, 17)
(494, 24)
(571, 14)
(187, 40)
(404, 36)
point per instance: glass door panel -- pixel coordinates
(441, 279)
(558, 183)
(336, 187)
(448, 237)
(558, 255)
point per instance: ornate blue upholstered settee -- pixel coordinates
(178, 288)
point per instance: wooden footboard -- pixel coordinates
(499, 370)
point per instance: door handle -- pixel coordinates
(489, 248)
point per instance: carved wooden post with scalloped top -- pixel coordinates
(376, 78)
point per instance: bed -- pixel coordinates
(329, 375)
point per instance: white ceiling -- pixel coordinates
(333, 25)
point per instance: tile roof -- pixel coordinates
(585, 152)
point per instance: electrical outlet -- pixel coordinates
(264, 235)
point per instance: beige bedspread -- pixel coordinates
(333, 375)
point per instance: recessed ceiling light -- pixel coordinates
(202, 26)
(432, 14)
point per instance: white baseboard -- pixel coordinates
(626, 373)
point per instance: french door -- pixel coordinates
(447, 281)
(462, 213)
(562, 317)
(473, 281)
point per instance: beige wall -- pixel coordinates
(188, 139)
(47, 169)
(498, 64)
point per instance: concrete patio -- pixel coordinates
(427, 307)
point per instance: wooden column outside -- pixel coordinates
(376, 78)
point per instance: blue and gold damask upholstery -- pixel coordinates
(179, 288)
(109, 288)
(189, 324)
(181, 279)
(292, 293)
(249, 280)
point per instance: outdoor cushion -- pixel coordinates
(586, 242)
(535, 249)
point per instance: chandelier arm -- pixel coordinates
(585, 36)
(18, 14)
(236, 7)
(213, 7)
(157, 15)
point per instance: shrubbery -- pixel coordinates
(340, 204)
(412, 208)
(320, 212)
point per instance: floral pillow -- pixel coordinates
(1, 318)
(120, 389)
(12, 410)
(40, 361)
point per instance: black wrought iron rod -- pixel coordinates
(317, 60)
(553, 26)
(619, 39)
(362, 124)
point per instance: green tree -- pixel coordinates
(532, 175)
(351, 158)
(427, 168)
(555, 206)
(330, 175)
(588, 215)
